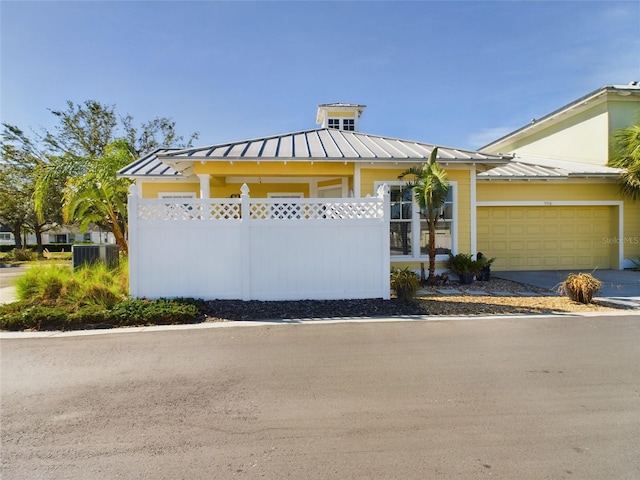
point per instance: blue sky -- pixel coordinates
(449, 73)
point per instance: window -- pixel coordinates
(342, 124)
(287, 210)
(409, 232)
(401, 220)
(5, 237)
(60, 238)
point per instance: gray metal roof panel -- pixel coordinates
(547, 168)
(149, 166)
(328, 144)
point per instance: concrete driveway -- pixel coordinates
(619, 286)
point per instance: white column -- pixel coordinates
(474, 211)
(205, 191)
(356, 181)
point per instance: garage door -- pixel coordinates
(546, 238)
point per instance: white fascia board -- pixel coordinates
(266, 179)
(544, 121)
(552, 203)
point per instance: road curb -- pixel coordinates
(6, 335)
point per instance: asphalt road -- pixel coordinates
(534, 398)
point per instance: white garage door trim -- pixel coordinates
(569, 203)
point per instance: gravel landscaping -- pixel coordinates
(503, 297)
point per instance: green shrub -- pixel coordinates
(90, 315)
(59, 297)
(405, 283)
(463, 263)
(61, 285)
(154, 312)
(20, 255)
(580, 287)
(39, 318)
(23, 316)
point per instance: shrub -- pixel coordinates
(59, 297)
(156, 312)
(405, 283)
(37, 317)
(22, 316)
(62, 286)
(20, 255)
(580, 287)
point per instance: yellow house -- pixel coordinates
(556, 205)
(516, 199)
(333, 161)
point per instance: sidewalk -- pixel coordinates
(8, 276)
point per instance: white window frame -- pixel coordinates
(340, 123)
(415, 225)
(286, 195)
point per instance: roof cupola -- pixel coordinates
(341, 116)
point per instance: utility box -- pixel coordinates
(88, 254)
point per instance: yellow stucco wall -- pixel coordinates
(582, 138)
(152, 189)
(370, 176)
(498, 191)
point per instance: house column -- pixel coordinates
(205, 191)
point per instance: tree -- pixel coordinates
(98, 197)
(430, 187)
(625, 153)
(91, 143)
(20, 160)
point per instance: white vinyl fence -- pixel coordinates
(259, 249)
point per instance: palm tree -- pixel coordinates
(625, 153)
(96, 196)
(430, 187)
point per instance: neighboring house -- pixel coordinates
(494, 197)
(60, 234)
(6, 235)
(556, 205)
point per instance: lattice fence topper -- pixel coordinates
(190, 211)
(318, 210)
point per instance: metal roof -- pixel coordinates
(323, 144)
(329, 145)
(527, 168)
(149, 166)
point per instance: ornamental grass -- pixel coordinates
(580, 287)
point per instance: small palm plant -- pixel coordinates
(430, 186)
(405, 283)
(580, 287)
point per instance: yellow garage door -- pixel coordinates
(546, 238)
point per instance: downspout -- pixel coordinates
(473, 207)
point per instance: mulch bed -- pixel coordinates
(428, 303)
